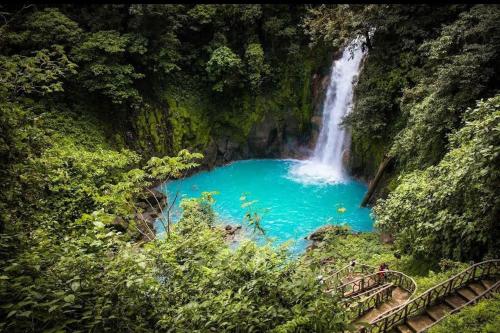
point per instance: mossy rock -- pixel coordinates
(328, 230)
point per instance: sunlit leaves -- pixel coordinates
(253, 214)
(172, 167)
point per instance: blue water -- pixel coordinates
(290, 208)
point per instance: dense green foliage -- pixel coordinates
(99, 102)
(482, 318)
(90, 279)
(71, 271)
(450, 209)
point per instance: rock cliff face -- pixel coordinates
(282, 136)
(266, 138)
(283, 123)
(319, 86)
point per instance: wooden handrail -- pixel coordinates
(363, 283)
(400, 314)
(333, 279)
(369, 299)
(485, 294)
(344, 271)
(365, 295)
(336, 274)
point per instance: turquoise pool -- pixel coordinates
(291, 207)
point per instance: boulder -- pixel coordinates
(230, 232)
(320, 234)
(312, 246)
(231, 229)
(229, 150)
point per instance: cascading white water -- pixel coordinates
(325, 164)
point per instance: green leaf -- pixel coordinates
(69, 298)
(75, 285)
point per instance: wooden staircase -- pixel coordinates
(448, 305)
(366, 294)
(399, 296)
(420, 313)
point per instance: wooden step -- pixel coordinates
(477, 288)
(438, 311)
(403, 328)
(418, 323)
(487, 283)
(454, 301)
(386, 306)
(466, 293)
(400, 294)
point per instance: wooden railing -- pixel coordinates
(369, 281)
(360, 304)
(485, 294)
(416, 305)
(368, 291)
(335, 279)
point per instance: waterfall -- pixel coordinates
(326, 162)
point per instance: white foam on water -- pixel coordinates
(310, 172)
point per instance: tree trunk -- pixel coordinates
(376, 180)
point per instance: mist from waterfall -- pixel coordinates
(326, 162)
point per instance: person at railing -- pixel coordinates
(352, 265)
(382, 270)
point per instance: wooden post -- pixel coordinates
(376, 180)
